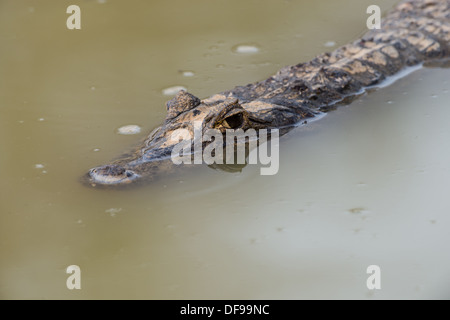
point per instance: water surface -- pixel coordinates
(365, 185)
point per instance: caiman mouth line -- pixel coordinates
(414, 33)
(112, 174)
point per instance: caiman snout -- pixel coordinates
(111, 174)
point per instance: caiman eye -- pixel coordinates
(234, 122)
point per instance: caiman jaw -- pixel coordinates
(111, 174)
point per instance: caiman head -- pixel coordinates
(186, 111)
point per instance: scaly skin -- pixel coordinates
(413, 33)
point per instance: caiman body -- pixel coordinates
(413, 33)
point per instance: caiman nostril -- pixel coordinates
(114, 170)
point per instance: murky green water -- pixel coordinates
(368, 184)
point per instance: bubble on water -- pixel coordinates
(93, 88)
(361, 184)
(40, 166)
(213, 48)
(21, 121)
(113, 211)
(129, 129)
(357, 210)
(41, 119)
(246, 48)
(434, 96)
(171, 91)
(390, 102)
(329, 44)
(101, 1)
(96, 149)
(187, 73)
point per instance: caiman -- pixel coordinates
(413, 33)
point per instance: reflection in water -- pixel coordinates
(233, 167)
